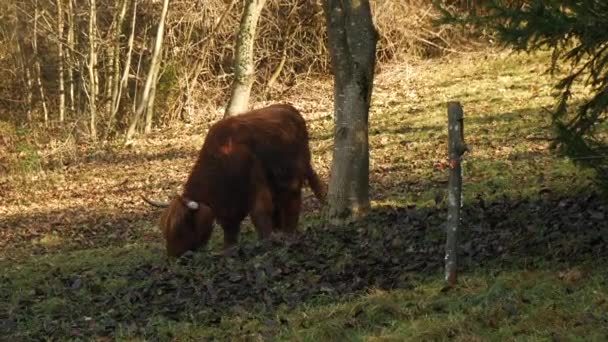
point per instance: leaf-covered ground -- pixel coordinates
(82, 258)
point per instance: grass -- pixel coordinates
(530, 305)
(81, 257)
(571, 304)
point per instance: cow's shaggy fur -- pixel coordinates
(252, 164)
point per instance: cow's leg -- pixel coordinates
(262, 212)
(231, 234)
(277, 213)
(290, 206)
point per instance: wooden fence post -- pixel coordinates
(456, 148)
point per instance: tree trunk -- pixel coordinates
(109, 70)
(150, 106)
(113, 58)
(71, 48)
(244, 69)
(37, 65)
(352, 42)
(194, 73)
(122, 84)
(26, 57)
(136, 92)
(60, 60)
(92, 69)
(154, 67)
(30, 93)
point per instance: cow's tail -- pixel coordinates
(317, 186)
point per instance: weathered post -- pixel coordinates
(456, 148)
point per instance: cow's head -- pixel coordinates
(185, 224)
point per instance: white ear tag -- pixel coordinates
(192, 205)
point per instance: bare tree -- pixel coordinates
(60, 60)
(244, 69)
(25, 52)
(193, 74)
(30, 92)
(69, 52)
(150, 102)
(112, 59)
(83, 69)
(37, 65)
(152, 74)
(121, 84)
(352, 44)
(23, 56)
(92, 67)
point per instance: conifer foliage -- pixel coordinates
(575, 32)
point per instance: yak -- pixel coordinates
(255, 164)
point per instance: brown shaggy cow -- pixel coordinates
(252, 164)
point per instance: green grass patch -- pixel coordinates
(91, 261)
(515, 305)
(491, 304)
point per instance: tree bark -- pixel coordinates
(244, 69)
(30, 93)
(136, 92)
(456, 148)
(154, 67)
(113, 59)
(37, 65)
(122, 83)
(150, 105)
(26, 58)
(114, 83)
(60, 60)
(352, 43)
(71, 48)
(93, 92)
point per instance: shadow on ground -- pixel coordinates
(81, 227)
(393, 248)
(70, 229)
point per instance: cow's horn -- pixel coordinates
(155, 203)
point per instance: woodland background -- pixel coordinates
(48, 48)
(80, 253)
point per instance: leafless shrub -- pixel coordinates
(291, 44)
(198, 52)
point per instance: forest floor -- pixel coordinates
(81, 257)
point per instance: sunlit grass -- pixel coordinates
(508, 129)
(510, 306)
(507, 126)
